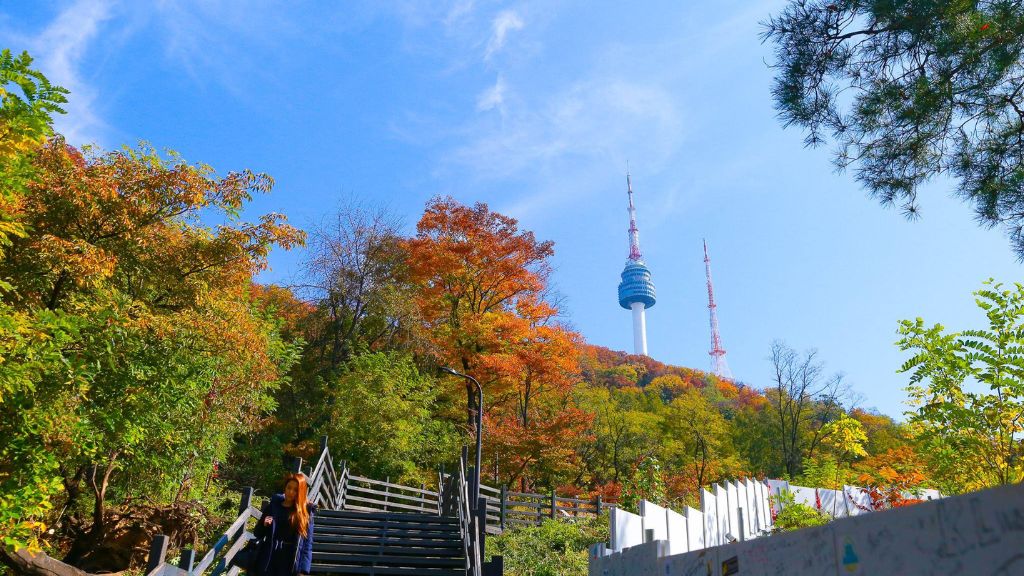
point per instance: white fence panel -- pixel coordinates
(804, 495)
(723, 513)
(627, 529)
(654, 519)
(709, 507)
(774, 487)
(678, 535)
(694, 529)
(765, 505)
(734, 510)
(754, 523)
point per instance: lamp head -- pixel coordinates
(449, 371)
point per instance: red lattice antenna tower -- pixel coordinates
(718, 363)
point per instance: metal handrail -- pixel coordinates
(467, 523)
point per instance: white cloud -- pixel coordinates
(59, 51)
(603, 119)
(459, 11)
(493, 97)
(504, 22)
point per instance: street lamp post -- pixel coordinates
(479, 428)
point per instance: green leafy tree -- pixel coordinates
(968, 388)
(910, 91)
(646, 483)
(27, 102)
(843, 441)
(697, 439)
(384, 419)
(31, 342)
(624, 431)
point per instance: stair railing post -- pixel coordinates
(387, 491)
(323, 443)
(157, 552)
(297, 465)
(187, 559)
(473, 478)
(481, 523)
(246, 499)
(597, 505)
(504, 499)
(440, 490)
(552, 503)
(344, 483)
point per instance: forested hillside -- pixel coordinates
(146, 376)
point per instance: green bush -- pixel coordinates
(794, 516)
(555, 548)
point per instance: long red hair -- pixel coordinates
(300, 515)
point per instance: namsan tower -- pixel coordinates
(636, 291)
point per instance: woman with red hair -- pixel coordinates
(287, 531)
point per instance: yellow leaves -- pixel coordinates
(846, 436)
(15, 142)
(84, 263)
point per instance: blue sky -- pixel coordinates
(535, 108)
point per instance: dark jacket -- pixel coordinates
(304, 547)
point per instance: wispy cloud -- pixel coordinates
(603, 119)
(60, 49)
(505, 22)
(458, 12)
(493, 97)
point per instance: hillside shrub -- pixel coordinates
(555, 548)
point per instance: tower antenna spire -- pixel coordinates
(636, 291)
(718, 364)
(634, 232)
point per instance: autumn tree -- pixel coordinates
(483, 299)
(891, 475)
(967, 390)
(910, 91)
(163, 354)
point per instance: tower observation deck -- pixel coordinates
(636, 290)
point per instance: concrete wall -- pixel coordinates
(970, 535)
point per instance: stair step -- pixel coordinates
(387, 516)
(386, 570)
(396, 548)
(454, 544)
(385, 532)
(377, 560)
(374, 523)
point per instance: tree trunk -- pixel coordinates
(40, 564)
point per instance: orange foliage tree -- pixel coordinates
(482, 296)
(890, 476)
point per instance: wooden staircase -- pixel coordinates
(356, 542)
(365, 526)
